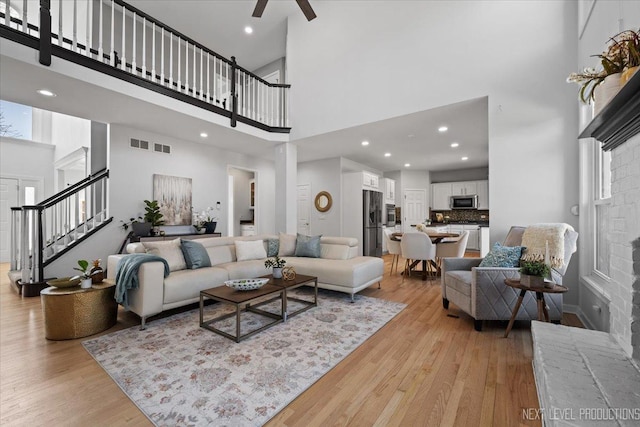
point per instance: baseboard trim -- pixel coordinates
(574, 309)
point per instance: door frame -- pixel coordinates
(256, 207)
(40, 196)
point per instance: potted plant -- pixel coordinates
(622, 56)
(138, 226)
(277, 264)
(533, 273)
(153, 215)
(83, 264)
(208, 220)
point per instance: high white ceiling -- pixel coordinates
(219, 25)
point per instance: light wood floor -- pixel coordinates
(422, 368)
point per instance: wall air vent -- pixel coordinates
(138, 143)
(161, 148)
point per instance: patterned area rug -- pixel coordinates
(178, 373)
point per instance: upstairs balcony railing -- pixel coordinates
(43, 232)
(115, 38)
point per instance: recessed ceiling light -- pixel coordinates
(365, 143)
(410, 135)
(454, 145)
(464, 159)
(248, 30)
(406, 165)
(46, 92)
(387, 154)
(204, 135)
(443, 129)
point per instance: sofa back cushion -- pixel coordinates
(170, 251)
(307, 246)
(287, 244)
(249, 250)
(195, 255)
(338, 247)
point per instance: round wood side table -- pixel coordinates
(71, 313)
(543, 314)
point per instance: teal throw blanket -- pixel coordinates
(127, 274)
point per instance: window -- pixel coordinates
(15, 120)
(602, 202)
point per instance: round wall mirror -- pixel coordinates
(323, 201)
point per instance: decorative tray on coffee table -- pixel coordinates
(246, 284)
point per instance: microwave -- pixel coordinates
(464, 202)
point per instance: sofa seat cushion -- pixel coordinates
(349, 273)
(245, 269)
(187, 284)
(460, 280)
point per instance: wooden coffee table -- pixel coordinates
(289, 285)
(242, 301)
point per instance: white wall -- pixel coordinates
(131, 181)
(27, 160)
(405, 56)
(323, 175)
(69, 133)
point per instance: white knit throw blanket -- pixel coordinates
(535, 239)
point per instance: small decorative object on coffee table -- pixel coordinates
(97, 273)
(543, 314)
(246, 284)
(288, 273)
(277, 263)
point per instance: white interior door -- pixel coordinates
(8, 199)
(414, 210)
(304, 208)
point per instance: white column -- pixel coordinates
(286, 162)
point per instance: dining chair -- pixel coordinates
(393, 247)
(454, 249)
(417, 246)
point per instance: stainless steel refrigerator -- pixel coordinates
(372, 209)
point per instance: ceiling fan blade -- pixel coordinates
(260, 5)
(306, 9)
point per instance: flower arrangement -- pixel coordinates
(276, 262)
(622, 54)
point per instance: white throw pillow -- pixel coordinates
(168, 250)
(287, 244)
(248, 250)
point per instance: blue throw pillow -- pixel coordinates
(503, 256)
(273, 246)
(195, 254)
(307, 246)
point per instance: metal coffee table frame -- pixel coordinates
(289, 285)
(240, 300)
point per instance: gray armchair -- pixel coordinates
(481, 292)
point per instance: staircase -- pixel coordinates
(42, 233)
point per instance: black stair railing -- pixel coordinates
(118, 39)
(41, 233)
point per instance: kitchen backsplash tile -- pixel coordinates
(458, 215)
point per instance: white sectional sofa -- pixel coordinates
(338, 268)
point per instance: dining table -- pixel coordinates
(435, 238)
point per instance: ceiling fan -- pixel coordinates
(304, 5)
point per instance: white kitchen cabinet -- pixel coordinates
(464, 188)
(370, 181)
(474, 234)
(247, 230)
(483, 195)
(390, 191)
(440, 195)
